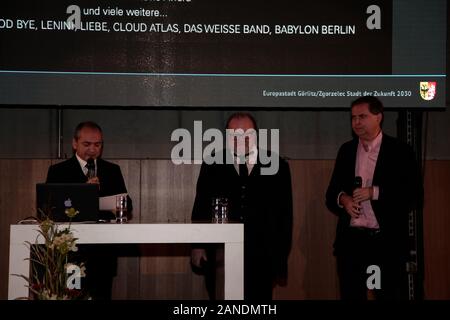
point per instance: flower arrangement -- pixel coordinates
(53, 276)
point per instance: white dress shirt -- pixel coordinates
(83, 164)
(366, 160)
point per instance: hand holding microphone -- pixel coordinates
(356, 203)
(361, 194)
(352, 204)
(91, 176)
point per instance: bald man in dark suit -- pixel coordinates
(263, 203)
(87, 143)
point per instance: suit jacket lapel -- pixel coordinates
(77, 168)
(379, 167)
(230, 166)
(100, 167)
(232, 169)
(256, 169)
(352, 162)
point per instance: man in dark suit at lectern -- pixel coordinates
(262, 202)
(375, 184)
(86, 165)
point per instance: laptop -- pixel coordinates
(53, 199)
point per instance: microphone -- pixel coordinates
(91, 168)
(357, 183)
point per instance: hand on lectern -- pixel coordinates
(198, 257)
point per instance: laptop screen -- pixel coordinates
(54, 199)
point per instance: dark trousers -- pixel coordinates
(258, 284)
(258, 277)
(364, 248)
(101, 268)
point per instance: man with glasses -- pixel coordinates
(375, 184)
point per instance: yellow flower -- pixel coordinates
(71, 212)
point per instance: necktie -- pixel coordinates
(243, 170)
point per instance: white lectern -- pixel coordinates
(231, 235)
